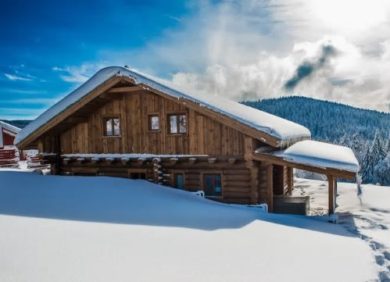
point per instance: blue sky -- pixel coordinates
(241, 49)
(39, 37)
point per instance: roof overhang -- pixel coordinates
(344, 165)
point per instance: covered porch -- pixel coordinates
(333, 161)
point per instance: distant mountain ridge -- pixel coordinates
(367, 132)
(326, 120)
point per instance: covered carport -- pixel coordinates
(334, 161)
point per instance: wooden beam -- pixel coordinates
(270, 188)
(290, 180)
(125, 161)
(173, 161)
(125, 89)
(331, 195)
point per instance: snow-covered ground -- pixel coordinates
(55, 228)
(367, 215)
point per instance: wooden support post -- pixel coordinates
(270, 188)
(290, 180)
(253, 169)
(332, 194)
(254, 175)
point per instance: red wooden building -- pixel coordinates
(8, 134)
(8, 152)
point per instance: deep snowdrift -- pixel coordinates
(57, 228)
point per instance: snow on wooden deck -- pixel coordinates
(57, 228)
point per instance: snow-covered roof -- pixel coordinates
(320, 154)
(12, 129)
(282, 129)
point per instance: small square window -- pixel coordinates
(112, 127)
(154, 123)
(177, 124)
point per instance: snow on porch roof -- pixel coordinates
(320, 154)
(284, 130)
(9, 127)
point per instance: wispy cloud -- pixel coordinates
(77, 74)
(15, 77)
(22, 91)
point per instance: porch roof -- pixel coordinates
(315, 156)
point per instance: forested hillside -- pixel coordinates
(18, 123)
(366, 132)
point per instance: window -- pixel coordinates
(154, 123)
(137, 175)
(212, 185)
(112, 127)
(177, 124)
(179, 180)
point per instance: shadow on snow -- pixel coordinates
(124, 201)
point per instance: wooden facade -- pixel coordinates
(209, 146)
(128, 129)
(204, 136)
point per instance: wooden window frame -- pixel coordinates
(202, 175)
(174, 173)
(177, 114)
(104, 121)
(150, 122)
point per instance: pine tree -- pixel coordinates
(375, 154)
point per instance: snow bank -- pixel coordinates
(320, 154)
(57, 228)
(277, 127)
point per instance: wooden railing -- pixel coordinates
(7, 154)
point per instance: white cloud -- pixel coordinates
(250, 49)
(77, 74)
(15, 77)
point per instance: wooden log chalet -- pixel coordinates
(121, 123)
